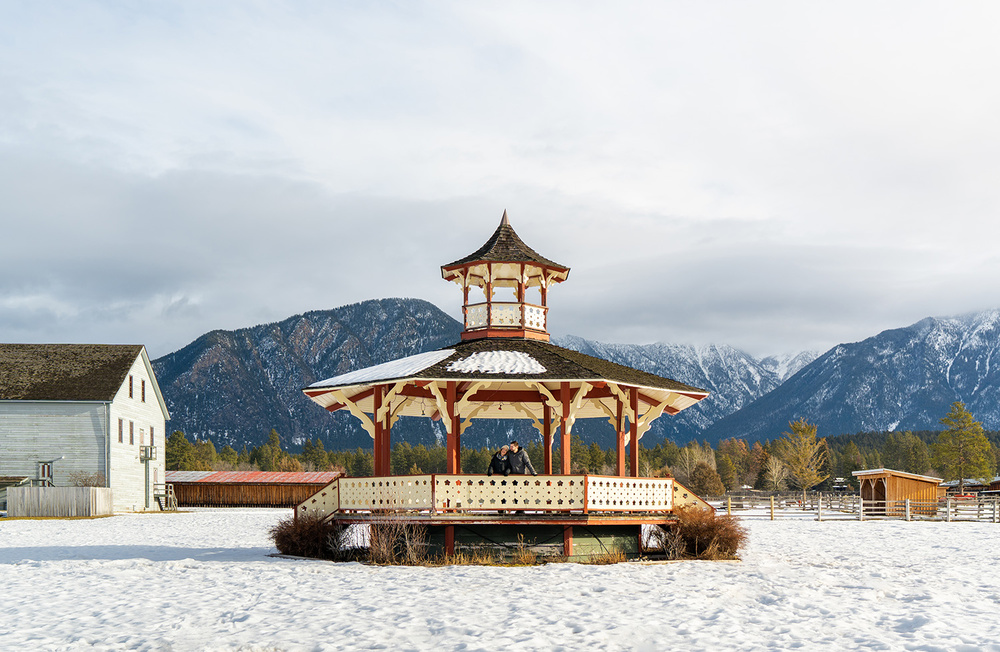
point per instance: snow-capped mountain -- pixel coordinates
(734, 378)
(235, 386)
(900, 379)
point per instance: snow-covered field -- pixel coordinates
(203, 580)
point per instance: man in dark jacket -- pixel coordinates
(520, 463)
(499, 464)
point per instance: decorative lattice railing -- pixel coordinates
(504, 315)
(480, 493)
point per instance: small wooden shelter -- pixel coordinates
(504, 367)
(885, 491)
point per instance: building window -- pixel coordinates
(121, 431)
(130, 385)
(131, 433)
(142, 386)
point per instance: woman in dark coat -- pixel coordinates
(499, 464)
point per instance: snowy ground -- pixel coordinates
(203, 581)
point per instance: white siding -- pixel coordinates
(39, 431)
(127, 472)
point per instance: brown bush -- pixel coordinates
(395, 541)
(703, 534)
(310, 535)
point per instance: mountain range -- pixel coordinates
(233, 387)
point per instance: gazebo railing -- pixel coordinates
(447, 493)
(504, 315)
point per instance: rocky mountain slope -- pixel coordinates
(234, 386)
(900, 379)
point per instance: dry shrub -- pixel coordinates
(310, 535)
(472, 556)
(523, 555)
(84, 479)
(703, 534)
(395, 541)
(613, 556)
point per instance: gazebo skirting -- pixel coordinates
(581, 514)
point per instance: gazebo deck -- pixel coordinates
(441, 498)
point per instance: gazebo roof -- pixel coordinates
(501, 359)
(504, 246)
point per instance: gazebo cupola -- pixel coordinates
(505, 262)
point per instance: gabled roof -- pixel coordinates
(64, 372)
(504, 246)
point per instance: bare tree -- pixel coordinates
(775, 473)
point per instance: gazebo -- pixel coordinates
(505, 367)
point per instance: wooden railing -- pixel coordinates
(504, 314)
(833, 506)
(479, 493)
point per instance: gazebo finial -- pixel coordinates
(504, 221)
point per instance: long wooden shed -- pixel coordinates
(246, 488)
(885, 491)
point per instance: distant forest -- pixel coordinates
(733, 465)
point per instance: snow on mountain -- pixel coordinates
(900, 379)
(734, 378)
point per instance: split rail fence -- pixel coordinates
(830, 507)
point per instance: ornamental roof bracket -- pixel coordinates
(366, 421)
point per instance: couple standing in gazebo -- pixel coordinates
(511, 459)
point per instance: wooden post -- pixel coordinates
(729, 505)
(377, 448)
(861, 507)
(620, 470)
(907, 509)
(547, 438)
(633, 432)
(819, 507)
(947, 509)
(568, 540)
(449, 540)
(452, 455)
(565, 397)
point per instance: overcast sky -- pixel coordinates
(775, 176)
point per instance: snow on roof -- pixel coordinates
(255, 477)
(884, 471)
(393, 369)
(498, 362)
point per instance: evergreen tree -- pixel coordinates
(179, 451)
(803, 455)
(727, 472)
(229, 456)
(962, 451)
(705, 481)
(850, 460)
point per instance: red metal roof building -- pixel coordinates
(246, 488)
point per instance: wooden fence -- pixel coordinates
(838, 506)
(59, 501)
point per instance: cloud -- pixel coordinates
(776, 176)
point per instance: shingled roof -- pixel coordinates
(559, 364)
(504, 246)
(64, 372)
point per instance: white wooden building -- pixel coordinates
(68, 411)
